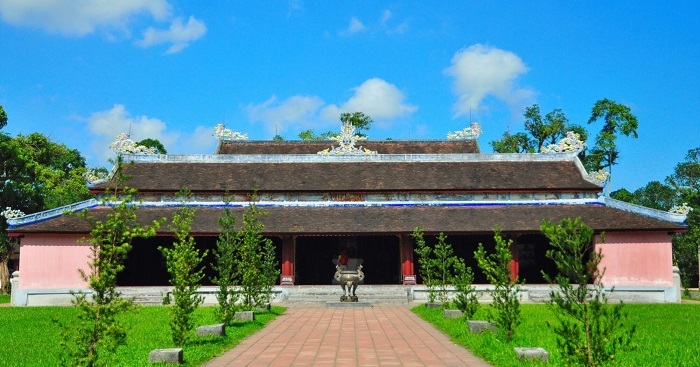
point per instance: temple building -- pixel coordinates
(325, 197)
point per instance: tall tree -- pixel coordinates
(3, 117)
(359, 120)
(155, 144)
(686, 180)
(515, 143)
(542, 131)
(36, 174)
(618, 119)
(309, 135)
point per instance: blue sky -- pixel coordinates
(82, 72)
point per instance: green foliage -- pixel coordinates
(466, 299)
(440, 267)
(513, 143)
(426, 264)
(256, 268)
(3, 118)
(245, 258)
(36, 174)
(309, 135)
(496, 267)
(589, 333)
(359, 120)
(93, 338)
(277, 137)
(153, 143)
(654, 195)
(184, 263)
(618, 119)
(225, 267)
(542, 131)
(659, 342)
(31, 337)
(686, 175)
(685, 249)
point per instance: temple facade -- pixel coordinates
(365, 201)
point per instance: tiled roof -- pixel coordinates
(387, 219)
(355, 176)
(380, 146)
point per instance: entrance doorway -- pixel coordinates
(314, 258)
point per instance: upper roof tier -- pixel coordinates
(379, 146)
(378, 173)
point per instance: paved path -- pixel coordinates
(383, 335)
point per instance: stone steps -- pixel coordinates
(288, 294)
(366, 293)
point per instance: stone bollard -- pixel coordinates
(452, 314)
(167, 356)
(476, 326)
(14, 285)
(212, 330)
(677, 283)
(244, 316)
(532, 354)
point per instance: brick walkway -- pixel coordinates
(312, 335)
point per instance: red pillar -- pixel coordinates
(514, 266)
(288, 245)
(407, 270)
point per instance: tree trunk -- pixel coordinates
(4, 274)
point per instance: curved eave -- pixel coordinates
(348, 218)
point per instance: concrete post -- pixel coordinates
(14, 285)
(677, 283)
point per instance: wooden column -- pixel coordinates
(514, 265)
(288, 247)
(407, 269)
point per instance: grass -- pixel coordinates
(664, 335)
(4, 298)
(31, 338)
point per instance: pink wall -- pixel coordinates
(636, 258)
(52, 261)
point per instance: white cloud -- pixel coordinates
(380, 100)
(355, 26)
(481, 71)
(106, 125)
(78, 18)
(280, 116)
(179, 35)
(376, 98)
(386, 15)
(201, 141)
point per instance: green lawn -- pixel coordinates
(4, 298)
(31, 338)
(666, 335)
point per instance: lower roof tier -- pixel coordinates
(397, 219)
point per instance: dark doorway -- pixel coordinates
(145, 265)
(315, 254)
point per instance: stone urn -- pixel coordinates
(349, 280)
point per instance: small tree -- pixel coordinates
(225, 267)
(589, 333)
(466, 299)
(92, 339)
(184, 262)
(496, 267)
(256, 268)
(425, 264)
(359, 120)
(437, 266)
